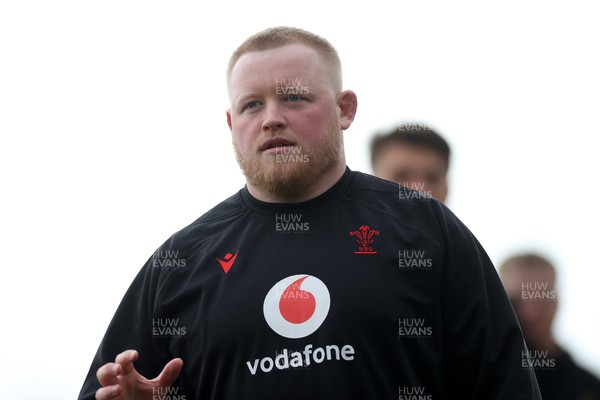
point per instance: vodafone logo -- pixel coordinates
(296, 306)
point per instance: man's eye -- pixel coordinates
(293, 97)
(251, 105)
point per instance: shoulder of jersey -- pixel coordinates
(364, 181)
(387, 196)
(218, 219)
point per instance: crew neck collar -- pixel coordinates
(322, 200)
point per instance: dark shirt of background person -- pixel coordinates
(530, 281)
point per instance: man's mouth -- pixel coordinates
(276, 145)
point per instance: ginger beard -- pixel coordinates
(292, 176)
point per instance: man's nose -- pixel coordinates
(274, 118)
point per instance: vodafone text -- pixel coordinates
(298, 359)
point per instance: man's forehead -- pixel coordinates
(295, 63)
(520, 274)
(295, 56)
(402, 152)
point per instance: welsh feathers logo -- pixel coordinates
(364, 238)
(296, 306)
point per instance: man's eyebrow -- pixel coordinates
(243, 98)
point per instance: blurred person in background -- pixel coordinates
(530, 281)
(415, 156)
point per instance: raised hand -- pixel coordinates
(121, 381)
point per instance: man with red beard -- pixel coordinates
(313, 281)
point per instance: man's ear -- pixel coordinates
(347, 102)
(228, 112)
(444, 191)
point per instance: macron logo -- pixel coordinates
(229, 260)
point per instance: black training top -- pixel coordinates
(368, 291)
(561, 378)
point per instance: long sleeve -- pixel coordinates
(132, 328)
(483, 343)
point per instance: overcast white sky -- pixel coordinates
(113, 136)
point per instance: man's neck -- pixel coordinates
(320, 186)
(543, 344)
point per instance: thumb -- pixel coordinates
(170, 372)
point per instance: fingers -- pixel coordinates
(170, 372)
(109, 373)
(107, 393)
(112, 376)
(126, 359)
